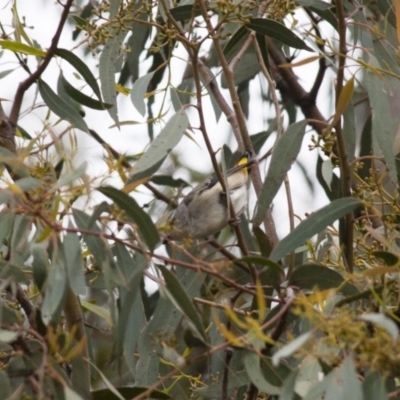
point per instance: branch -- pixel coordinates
(240, 117)
(322, 61)
(27, 83)
(286, 81)
(345, 170)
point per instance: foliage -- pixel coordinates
(314, 315)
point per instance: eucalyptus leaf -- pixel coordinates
(278, 31)
(160, 147)
(314, 224)
(60, 107)
(146, 226)
(285, 152)
(139, 91)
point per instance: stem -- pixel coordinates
(345, 171)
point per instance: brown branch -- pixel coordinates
(322, 61)
(27, 83)
(286, 82)
(24, 302)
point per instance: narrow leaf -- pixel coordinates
(56, 286)
(384, 322)
(160, 147)
(60, 107)
(182, 300)
(309, 276)
(185, 12)
(290, 348)
(82, 68)
(285, 152)
(73, 262)
(22, 48)
(107, 70)
(70, 177)
(147, 229)
(127, 393)
(81, 97)
(235, 40)
(314, 224)
(344, 100)
(252, 366)
(278, 31)
(139, 91)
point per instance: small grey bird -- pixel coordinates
(205, 210)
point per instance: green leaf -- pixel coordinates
(318, 4)
(349, 381)
(28, 183)
(5, 385)
(262, 261)
(100, 249)
(214, 102)
(290, 348)
(374, 386)
(139, 91)
(70, 177)
(147, 229)
(164, 321)
(187, 11)
(82, 98)
(67, 98)
(40, 263)
(309, 276)
(252, 366)
(384, 121)
(245, 70)
(70, 394)
(285, 152)
(314, 224)
(107, 70)
(21, 132)
(183, 302)
(22, 48)
(6, 225)
(14, 162)
(7, 336)
(19, 248)
(82, 68)
(258, 140)
(73, 262)
(278, 31)
(168, 180)
(288, 387)
(160, 147)
(384, 322)
(234, 41)
(99, 311)
(389, 259)
(55, 289)
(126, 393)
(236, 379)
(61, 107)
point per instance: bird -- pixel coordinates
(205, 210)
